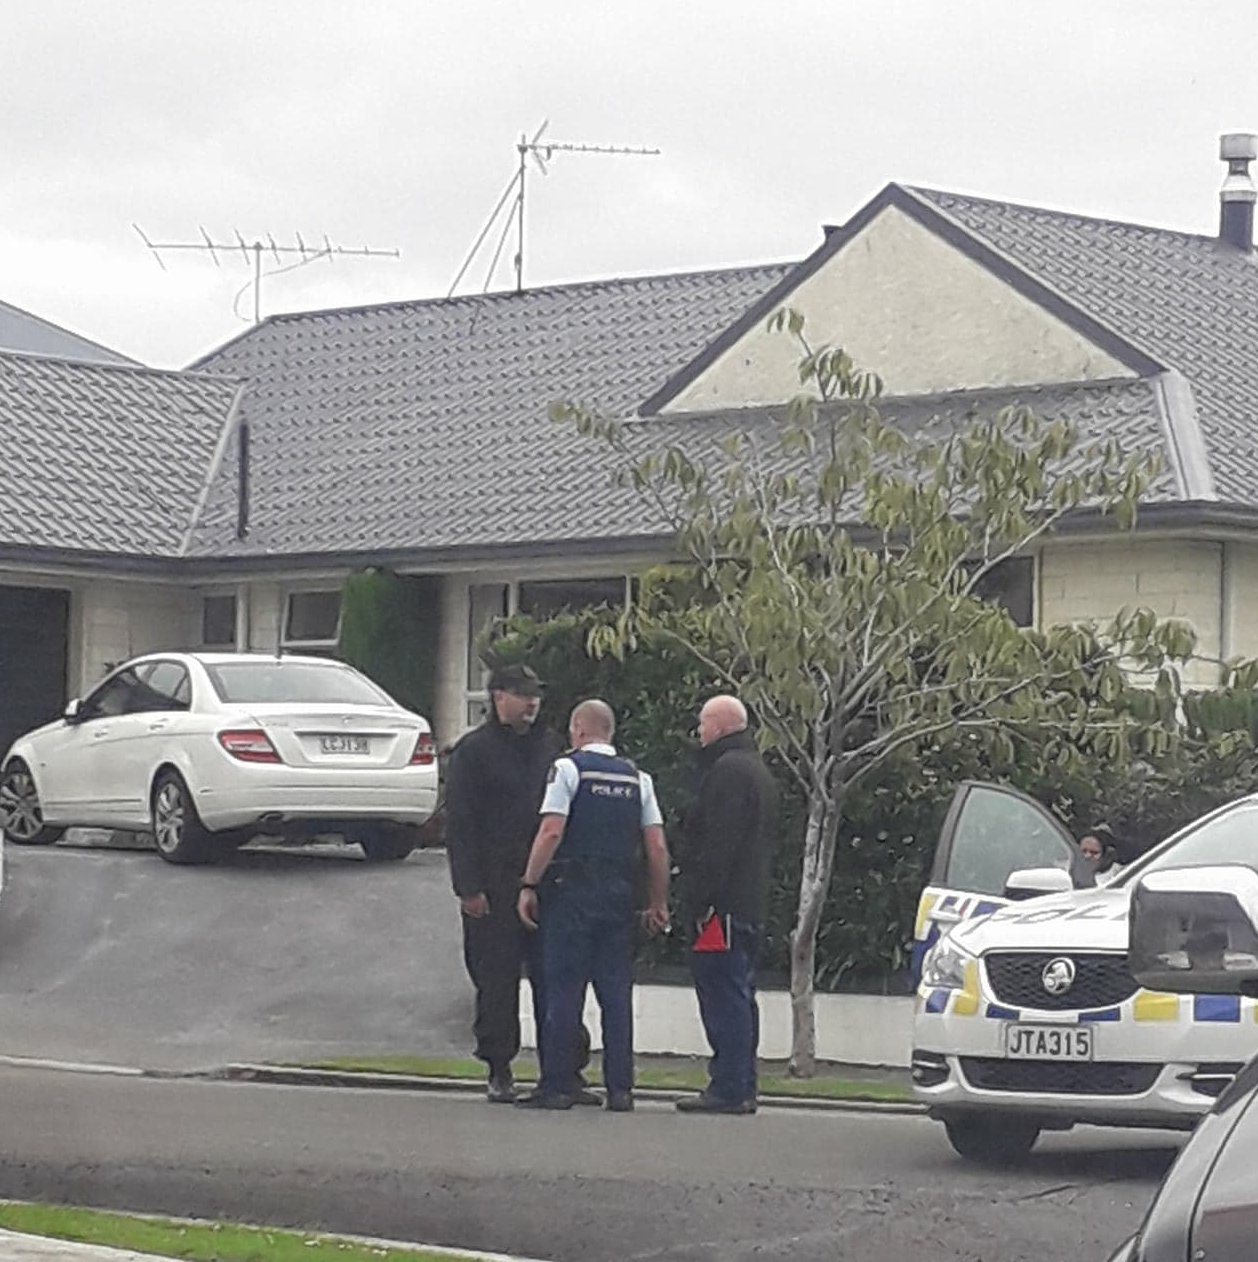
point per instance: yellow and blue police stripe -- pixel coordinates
(927, 932)
(1145, 1006)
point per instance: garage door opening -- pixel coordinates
(34, 651)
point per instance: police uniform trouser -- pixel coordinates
(587, 937)
(498, 950)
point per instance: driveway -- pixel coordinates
(112, 955)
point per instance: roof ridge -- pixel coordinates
(1075, 386)
(1074, 216)
(133, 369)
(608, 282)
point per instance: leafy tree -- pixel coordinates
(835, 564)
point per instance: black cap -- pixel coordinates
(522, 680)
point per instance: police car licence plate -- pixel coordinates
(1048, 1042)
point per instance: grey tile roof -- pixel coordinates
(30, 334)
(100, 458)
(424, 425)
(1188, 301)
(1096, 410)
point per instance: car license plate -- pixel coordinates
(344, 745)
(1048, 1042)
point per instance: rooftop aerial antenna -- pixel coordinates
(541, 151)
(252, 252)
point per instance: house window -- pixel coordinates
(218, 622)
(547, 597)
(1011, 585)
(538, 598)
(486, 602)
(312, 619)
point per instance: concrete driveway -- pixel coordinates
(112, 955)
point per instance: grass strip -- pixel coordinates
(198, 1242)
(823, 1087)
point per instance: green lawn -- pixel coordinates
(684, 1076)
(209, 1242)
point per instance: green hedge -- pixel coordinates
(887, 843)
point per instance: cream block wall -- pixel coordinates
(1240, 584)
(112, 620)
(1176, 578)
(912, 308)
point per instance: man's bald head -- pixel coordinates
(721, 716)
(592, 722)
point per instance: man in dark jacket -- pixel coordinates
(730, 833)
(495, 780)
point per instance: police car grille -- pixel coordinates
(1060, 1077)
(1017, 978)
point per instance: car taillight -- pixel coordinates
(249, 745)
(425, 751)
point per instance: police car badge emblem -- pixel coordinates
(1058, 975)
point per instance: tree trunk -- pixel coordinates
(819, 839)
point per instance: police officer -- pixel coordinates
(495, 780)
(598, 815)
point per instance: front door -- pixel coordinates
(990, 831)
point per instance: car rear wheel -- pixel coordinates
(991, 1140)
(21, 815)
(384, 844)
(178, 833)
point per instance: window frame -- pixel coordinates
(221, 646)
(479, 697)
(289, 641)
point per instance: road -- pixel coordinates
(582, 1186)
(115, 956)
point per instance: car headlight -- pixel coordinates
(944, 966)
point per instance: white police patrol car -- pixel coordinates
(1027, 1016)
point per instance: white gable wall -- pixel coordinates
(912, 308)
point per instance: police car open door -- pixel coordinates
(990, 831)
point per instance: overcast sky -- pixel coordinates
(392, 123)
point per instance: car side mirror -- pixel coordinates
(1195, 930)
(71, 713)
(1034, 882)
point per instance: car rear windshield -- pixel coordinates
(254, 683)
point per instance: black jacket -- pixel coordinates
(730, 831)
(495, 780)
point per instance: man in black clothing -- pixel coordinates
(495, 780)
(730, 832)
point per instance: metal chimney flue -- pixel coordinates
(1237, 196)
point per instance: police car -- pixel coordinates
(1027, 1016)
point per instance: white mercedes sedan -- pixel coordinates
(209, 750)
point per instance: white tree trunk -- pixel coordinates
(819, 840)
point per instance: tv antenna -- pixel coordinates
(541, 151)
(253, 252)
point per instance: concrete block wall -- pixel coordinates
(1176, 578)
(112, 620)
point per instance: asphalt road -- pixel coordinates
(583, 1186)
(116, 956)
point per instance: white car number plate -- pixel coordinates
(1048, 1042)
(344, 745)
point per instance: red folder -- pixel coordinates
(713, 934)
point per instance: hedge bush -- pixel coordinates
(887, 843)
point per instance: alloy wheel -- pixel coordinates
(168, 817)
(20, 814)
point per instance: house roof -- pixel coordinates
(1189, 302)
(30, 334)
(424, 425)
(106, 459)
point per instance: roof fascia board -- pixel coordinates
(1025, 282)
(952, 232)
(1184, 439)
(219, 454)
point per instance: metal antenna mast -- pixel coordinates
(541, 151)
(253, 252)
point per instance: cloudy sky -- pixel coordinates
(392, 123)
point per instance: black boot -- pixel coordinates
(705, 1103)
(501, 1085)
